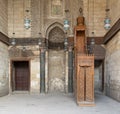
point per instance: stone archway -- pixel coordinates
(56, 38)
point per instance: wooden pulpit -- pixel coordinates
(84, 67)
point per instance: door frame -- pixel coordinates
(11, 72)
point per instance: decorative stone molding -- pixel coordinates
(51, 26)
(98, 40)
(4, 38)
(55, 36)
(26, 41)
(16, 52)
(112, 32)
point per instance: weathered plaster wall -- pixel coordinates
(4, 16)
(4, 78)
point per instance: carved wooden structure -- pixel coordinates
(84, 67)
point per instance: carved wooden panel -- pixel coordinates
(85, 79)
(84, 67)
(80, 41)
(80, 38)
(89, 84)
(80, 84)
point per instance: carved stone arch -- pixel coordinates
(51, 26)
(55, 36)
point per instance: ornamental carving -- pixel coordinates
(56, 35)
(57, 7)
(56, 38)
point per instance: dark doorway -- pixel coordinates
(20, 76)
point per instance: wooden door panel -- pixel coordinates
(89, 85)
(21, 75)
(80, 84)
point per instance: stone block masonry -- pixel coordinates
(4, 64)
(4, 16)
(112, 68)
(41, 17)
(112, 59)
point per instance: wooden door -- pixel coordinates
(22, 76)
(85, 80)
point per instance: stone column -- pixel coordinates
(66, 71)
(46, 72)
(42, 71)
(70, 70)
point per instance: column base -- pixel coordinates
(85, 104)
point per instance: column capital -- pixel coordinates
(70, 48)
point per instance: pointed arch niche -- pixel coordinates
(56, 57)
(55, 36)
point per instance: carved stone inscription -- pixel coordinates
(57, 7)
(56, 35)
(56, 38)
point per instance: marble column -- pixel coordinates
(46, 72)
(66, 71)
(42, 71)
(70, 70)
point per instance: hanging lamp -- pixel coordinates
(107, 21)
(27, 21)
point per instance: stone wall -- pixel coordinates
(4, 16)
(112, 62)
(4, 80)
(16, 15)
(31, 53)
(56, 71)
(112, 68)
(36, 16)
(94, 13)
(4, 69)
(114, 6)
(41, 17)
(98, 78)
(35, 76)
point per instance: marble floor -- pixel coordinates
(55, 104)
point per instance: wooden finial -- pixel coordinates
(80, 21)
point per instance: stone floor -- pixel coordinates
(55, 104)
